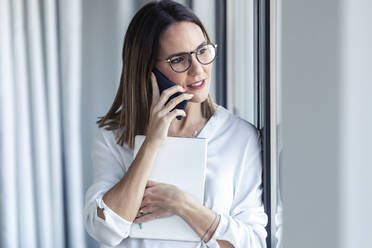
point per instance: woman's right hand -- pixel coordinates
(161, 115)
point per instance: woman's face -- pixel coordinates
(180, 37)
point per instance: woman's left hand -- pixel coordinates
(160, 200)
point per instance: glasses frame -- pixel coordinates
(168, 60)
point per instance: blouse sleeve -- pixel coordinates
(245, 225)
(108, 170)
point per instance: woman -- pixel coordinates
(168, 36)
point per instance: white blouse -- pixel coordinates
(233, 186)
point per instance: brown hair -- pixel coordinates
(130, 110)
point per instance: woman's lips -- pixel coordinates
(197, 85)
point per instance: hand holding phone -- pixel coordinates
(164, 83)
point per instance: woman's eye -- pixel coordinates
(202, 50)
(177, 60)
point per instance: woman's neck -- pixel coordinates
(193, 122)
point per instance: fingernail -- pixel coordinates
(189, 95)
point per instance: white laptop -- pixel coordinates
(181, 162)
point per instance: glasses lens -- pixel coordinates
(180, 63)
(206, 54)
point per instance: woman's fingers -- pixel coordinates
(145, 218)
(147, 213)
(151, 183)
(173, 114)
(148, 210)
(160, 201)
(156, 214)
(175, 101)
(165, 96)
(145, 202)
(143, 211)
(160, 119)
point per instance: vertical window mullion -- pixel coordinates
(264, 106)
(221, 65)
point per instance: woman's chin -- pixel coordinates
(199, 96)
(198, 99)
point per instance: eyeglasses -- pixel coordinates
(181, 62)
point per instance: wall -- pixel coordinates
(324, 60)
(356, 170)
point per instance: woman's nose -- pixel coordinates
(196, 68)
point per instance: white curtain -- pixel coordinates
(41, 192)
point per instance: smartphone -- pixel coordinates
(164, 83)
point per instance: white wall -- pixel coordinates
(326, 85)
(241, 37)
(356, 150)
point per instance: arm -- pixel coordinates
(245, 227)
(200, 219)
(104, 222)
(131, 187)
(109, 164)
(113, 201)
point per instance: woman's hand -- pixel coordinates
(160, 200)
(161, 115)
